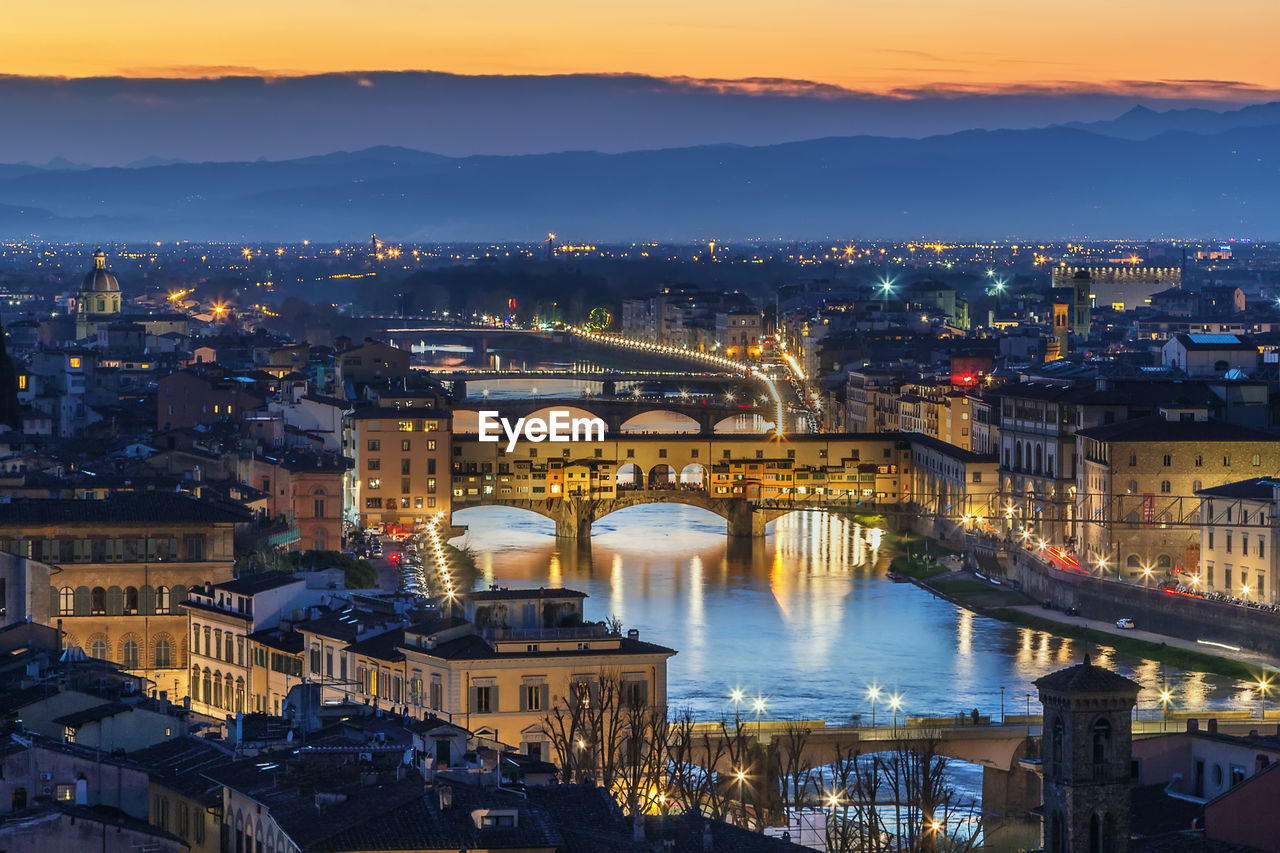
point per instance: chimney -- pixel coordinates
(446, 797)
(1193, 725)
(1213, 726)
(1261, 763)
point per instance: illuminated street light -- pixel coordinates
(1264, 684)
(895, 702)
(873, 692)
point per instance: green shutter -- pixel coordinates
(147, 600)
(474, 700)
(524, 697)
(84, 601)
(493, 700)
(545, 704)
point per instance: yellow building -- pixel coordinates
(122, 567)
(1138, 483)
(234, 650)
(401, 464)
(495, 672)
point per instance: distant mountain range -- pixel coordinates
(1142, 175)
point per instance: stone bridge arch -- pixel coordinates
(665, 421)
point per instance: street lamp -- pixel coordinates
(758, 705)
(895, 702)
(873, 692)
(1002, 706)
(1264, 684)
(742, 803)
(1165, 698)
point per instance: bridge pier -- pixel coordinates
(1009, 793)
(744, 522)
(573, 520)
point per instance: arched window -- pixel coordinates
(196, 695)
(1058, 735)
(164, 654)
(99, 601)
(1164, 561)
(162, 599)
(1133, 562)
(195, 639)
(129, 654)
(66, 601)
(208, 687)
(217, 690)
(240, 695)
(1165, 487)
(229, 645)
(131, 600)
(1101, 746)
(229, 693)
(98, 649)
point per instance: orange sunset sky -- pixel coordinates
(877, 46)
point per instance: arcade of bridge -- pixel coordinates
(863, 466)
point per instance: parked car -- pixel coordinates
(1125, 623)
(1072, 611)
(1047, 604)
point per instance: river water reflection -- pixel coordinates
(809, 621)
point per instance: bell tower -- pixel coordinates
(1088, 737)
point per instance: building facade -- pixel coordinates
(124, 565)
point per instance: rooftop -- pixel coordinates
(1157, 428)
(1084, 677)
(1256, 489)
(133, 508)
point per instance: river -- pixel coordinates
(809, 622)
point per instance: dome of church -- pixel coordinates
(99, 279)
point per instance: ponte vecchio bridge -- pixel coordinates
(747, 479)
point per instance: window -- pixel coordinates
(374, 445)
(195, 546)
(404, 485)
(373, 483)
(1199, 460)
(373, 503)
(75, 359)
(431, 444)
(1244, 544)
(404, 467)
(1257, 460)
(98, 600)
(162, 599)
(1165, 487)
(66, 601)
(98, 649)
(437, 694)
(164, 654)
(1226, 460)
(1228, 545)
(405, 444)
(484, 700)
(131, 600)
(374, 465)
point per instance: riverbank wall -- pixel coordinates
(1154, 609)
